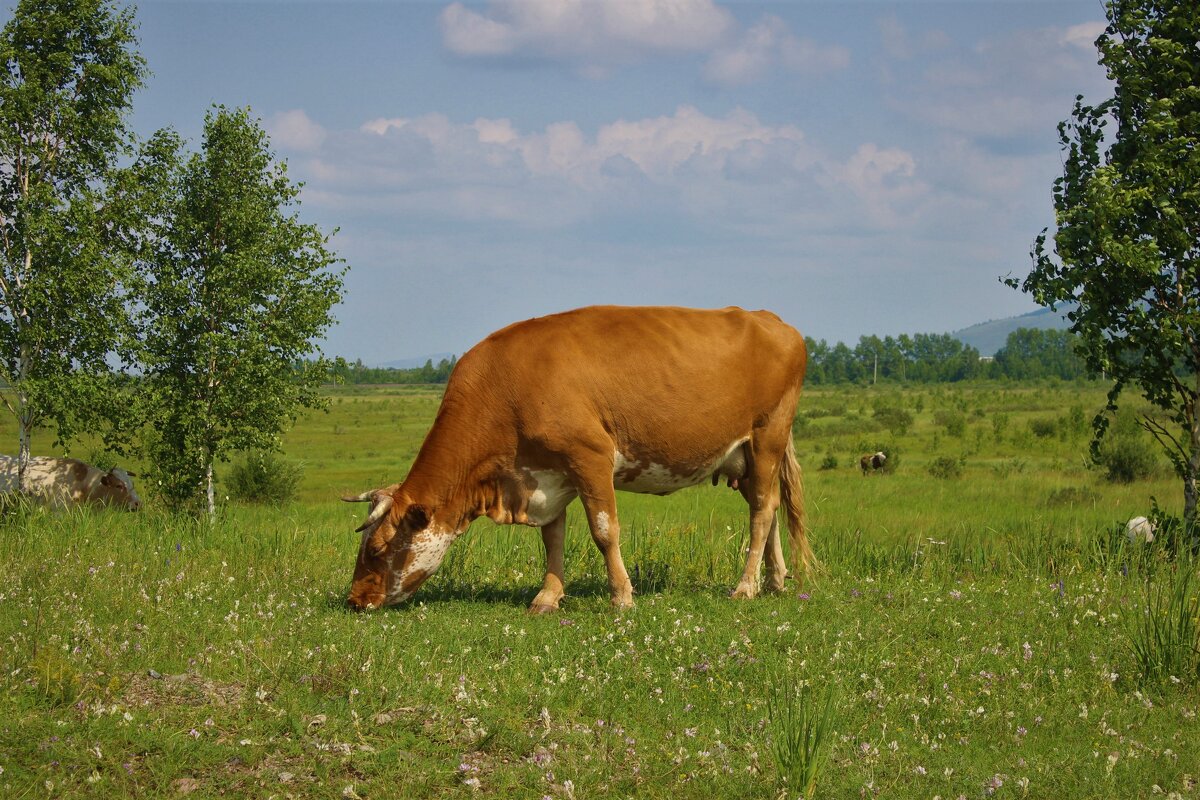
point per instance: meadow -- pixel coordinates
(975, 630)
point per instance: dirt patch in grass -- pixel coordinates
(188, 688)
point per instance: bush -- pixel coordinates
(263, 478)
(896, 420)
(946, 467)
(829, 462)
(1126, 459)
(954, 422)
(1043, 428)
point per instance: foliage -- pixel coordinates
(801, 733)
(68, 71)
(1125, 454)
(357, 373)
(238, 289)
(1034, 353)
(263, 477)
(1127, 217)
(1165, 634)
(830, 461)
(922, 358)
(895, 419)
(946, 467)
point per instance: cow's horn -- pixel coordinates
(377, 513)
(359, 498)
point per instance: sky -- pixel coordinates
(856, 167)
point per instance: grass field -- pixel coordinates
(975, 639)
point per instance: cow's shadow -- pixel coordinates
(588, 589)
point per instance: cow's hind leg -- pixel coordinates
(761, 491)
(553, 537)
(776, 565)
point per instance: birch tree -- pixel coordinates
(68, 70)
(237, 291)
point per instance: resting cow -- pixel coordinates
(580, 404)
(65, 482)
(872, 462)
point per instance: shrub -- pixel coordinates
(1043, 428)
(1072, 496)
(953, 421)
(263, 478)
(946, 467)
(896, 420)
(1126, 459)
(829, 462)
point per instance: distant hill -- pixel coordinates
(417, 361)
(988, 337)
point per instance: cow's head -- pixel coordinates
(116, 489)
(402, 545)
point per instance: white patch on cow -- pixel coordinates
(552, 494)
(428, 548)
(632, 476)
(602, 525)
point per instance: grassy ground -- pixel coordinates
(975, 642)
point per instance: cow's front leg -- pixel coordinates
(600, 503)
(553, 536)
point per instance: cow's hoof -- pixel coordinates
(774, 588)
(622, 605)
(742, 593)
(542, 608)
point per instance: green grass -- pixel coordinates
(976, 642)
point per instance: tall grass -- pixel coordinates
(801, 734)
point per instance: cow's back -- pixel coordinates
(658, 379)
(56, 480)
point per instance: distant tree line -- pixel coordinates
(358, 373)
(1028, 354)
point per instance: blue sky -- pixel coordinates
(857, 167)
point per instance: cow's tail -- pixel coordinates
(791, 490)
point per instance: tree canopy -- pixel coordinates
(68, 70)
(1126, 244)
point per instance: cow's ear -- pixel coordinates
(417, 517)
(108, 479)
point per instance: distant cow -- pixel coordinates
(870, 463)
(66, 482)
(1139, 529)
(583, 403)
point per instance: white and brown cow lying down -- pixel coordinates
(66, 482)
(872, 462)
(581, 404)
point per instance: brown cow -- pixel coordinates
(65, 482)
(580, 404)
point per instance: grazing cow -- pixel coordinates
(1139, 529)
(580, 404)
(870, 463)
(65, 482)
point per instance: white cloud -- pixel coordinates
(731, 172)
(1019, 83)
(295, 131)
(767, 45)
(583, 32)
(593, 37)
(1083, 35)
